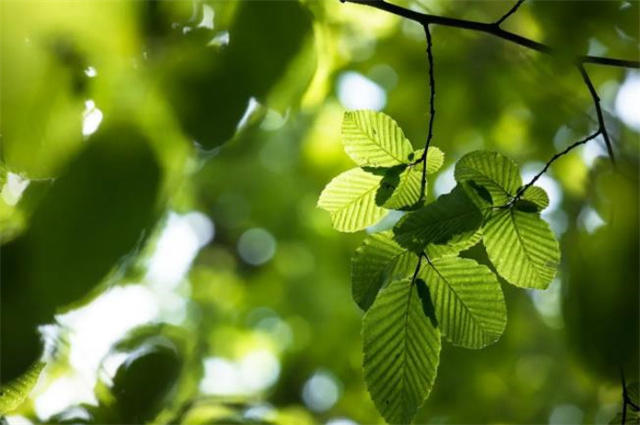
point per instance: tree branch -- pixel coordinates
(494, 29)
(489, 28)
(432, 112)
(624, 397)
(509, 13)
(596, 103)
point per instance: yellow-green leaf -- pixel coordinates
(350, 199)
(522, 248)
(374, 139)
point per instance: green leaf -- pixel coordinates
(92, 216)
(491, 170)
(350, 198)
(468, 301)
(145, 379)
(401, 352)
(15, 392)
(374, 139)
(408, 186)
(522, 248)
(452, 217)
(479, 195)
(209, 88)
(454, 245)
(378, 260)
(537, 196)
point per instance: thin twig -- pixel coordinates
(548, 164)
(489, 28)
(432, 112)
(509, 13)
(596, 103)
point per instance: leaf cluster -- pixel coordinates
(410, 281)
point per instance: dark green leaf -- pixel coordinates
(451, 218)
(93, 215)
(375, 262)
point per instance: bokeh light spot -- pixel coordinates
(256, 246)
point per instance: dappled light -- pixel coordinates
(319, 212)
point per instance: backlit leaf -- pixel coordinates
(537, 196)
(401, 352)
(374, 139)
(491, 170)
(350, 198)
(451, 215)
(378, 260)
(15, 392)
(522, 248)
(407, 190)
(468, 301)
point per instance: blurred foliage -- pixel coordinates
(120, 119)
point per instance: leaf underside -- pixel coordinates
(374, 139)
(350, 200)
(468, 301)
(522, 248)
(401, 352)
(377, 260)
(491, 170)
(451, 215)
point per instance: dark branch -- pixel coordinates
(432, 96)
(509, 13)
(596, 103)
(489, 28)
(494, 29)
(548, 164)
(432, 111)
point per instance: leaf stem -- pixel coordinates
(535, 178)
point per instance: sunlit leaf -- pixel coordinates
(378, 260)
(522, 248)
(537, 196)
(401, 352)
(15, 392)
(454, 245)
(406, 192)
(373, 139)
(451, 215)
(350, 198)
(491, 170)
(468, 301)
